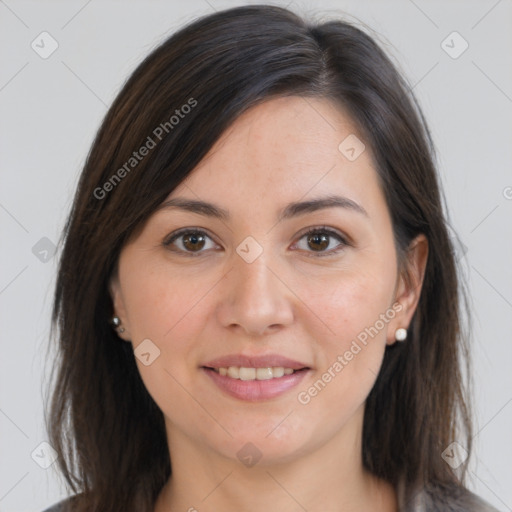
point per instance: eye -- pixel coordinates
(319, 240)
(189, 241)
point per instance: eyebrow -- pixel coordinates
(291, 210)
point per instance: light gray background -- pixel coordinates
(51, 109)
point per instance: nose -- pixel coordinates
(255, 298)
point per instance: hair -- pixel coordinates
(107, 430)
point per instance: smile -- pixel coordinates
(255, 384)
(243, 373)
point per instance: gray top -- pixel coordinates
(422, 502)
(59, 507)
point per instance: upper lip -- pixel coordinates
(247, 361)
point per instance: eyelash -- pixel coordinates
(311, 231)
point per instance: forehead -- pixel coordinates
(281, 150)
(280, 131)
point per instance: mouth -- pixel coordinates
(247, 374)
(255, 378)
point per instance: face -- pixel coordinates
(267, 287)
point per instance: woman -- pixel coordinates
(257, 301)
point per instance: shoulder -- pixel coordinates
(454, 499)
(61, 506)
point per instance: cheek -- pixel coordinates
(355, 312)
(350, 303)
(161, 302)
(167, 309)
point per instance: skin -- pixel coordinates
(288, 301)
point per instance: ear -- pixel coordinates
(119, 306)
(409, 285)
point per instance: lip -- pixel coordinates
(247, 361)
(255, 390)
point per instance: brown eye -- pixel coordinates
(318, 242)
(321, 241)
(189, 242)
(193, 242)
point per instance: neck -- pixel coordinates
(332, 477)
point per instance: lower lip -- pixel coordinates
(255, 390)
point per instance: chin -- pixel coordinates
(270, 442)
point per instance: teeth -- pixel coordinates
(279, 371)
(264, 373)
(246, 373)
(233, 372)
(243, 373)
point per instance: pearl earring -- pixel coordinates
(400, 334)
(116, 322)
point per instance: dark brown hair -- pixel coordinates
(106, 428)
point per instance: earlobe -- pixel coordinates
(409, 287)
(118, 319)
